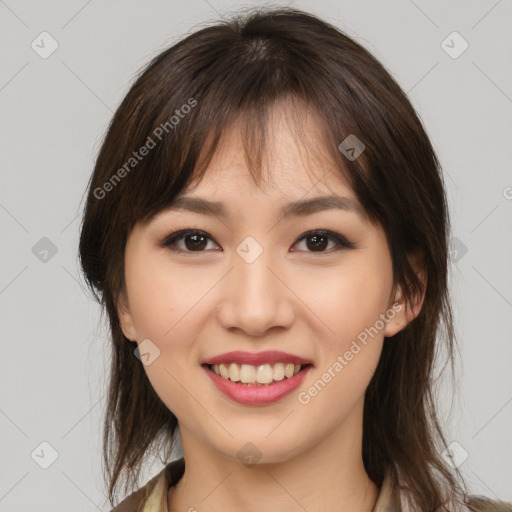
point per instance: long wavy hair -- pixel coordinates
(178, 109)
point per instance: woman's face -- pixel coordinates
(251, 281)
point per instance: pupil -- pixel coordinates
(316, 244)
(198, 242)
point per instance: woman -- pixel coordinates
(266, 228)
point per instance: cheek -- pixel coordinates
(149, 299)
(352, 306)
(162, 297)
(165, 305)
(169, 306)
(349, 298)
(341, 384)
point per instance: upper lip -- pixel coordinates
(258, 358)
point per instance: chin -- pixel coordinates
(262, 449)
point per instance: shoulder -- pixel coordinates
(154, 492)
(391, 498)
(135, 501)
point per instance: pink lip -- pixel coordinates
(257, 395)
(268, 356)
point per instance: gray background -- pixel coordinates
(54, 113)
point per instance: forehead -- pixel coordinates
(296, 181)
(294, 157)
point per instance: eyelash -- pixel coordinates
(169, 241)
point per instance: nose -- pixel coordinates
(255, 297)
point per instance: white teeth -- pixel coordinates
(262, 374)
(247, 373)
(234, 372)
(279, 371)
(224, 371)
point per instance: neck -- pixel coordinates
(327, 476)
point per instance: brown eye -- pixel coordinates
(318, 241)
(193, 241)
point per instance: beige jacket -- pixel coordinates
(152, 497)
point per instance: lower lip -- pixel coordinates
(257, 395)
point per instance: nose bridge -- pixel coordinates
(252, 276)
(253, 298)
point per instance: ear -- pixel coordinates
(125, 317)
(406, 312)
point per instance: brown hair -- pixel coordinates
(237, 70)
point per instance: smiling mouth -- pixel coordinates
(261, 375)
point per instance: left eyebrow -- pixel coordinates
(293, 209)
(321, 203)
